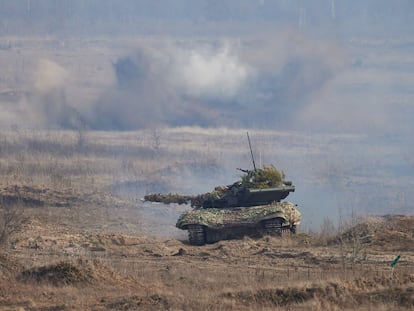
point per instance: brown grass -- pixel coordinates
(86, 247)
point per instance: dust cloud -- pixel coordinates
(224, 83)
(287, 81)
(48, 99)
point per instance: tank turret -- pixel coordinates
(256, 187)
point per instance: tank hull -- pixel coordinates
(214, 224)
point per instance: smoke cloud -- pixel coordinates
(286, 81)
(45, 103)
(210, 74)
(232, 83)
(49, 76)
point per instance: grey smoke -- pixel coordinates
(286, 81)
(216, 83)
(45, 104)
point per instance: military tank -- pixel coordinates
(251, 206)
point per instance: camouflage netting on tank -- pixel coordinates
(267, 177)
(218, 193)
(168, 198)
(196, 200)
(217, 218)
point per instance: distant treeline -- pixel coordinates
(77, 17)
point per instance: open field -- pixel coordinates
(103, 102)
(86, 241)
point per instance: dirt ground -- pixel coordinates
(65, 258)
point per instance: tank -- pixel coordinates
(251, 206)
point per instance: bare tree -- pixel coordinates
(12, 220)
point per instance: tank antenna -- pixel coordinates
(251, 151)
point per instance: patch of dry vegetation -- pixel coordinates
(344, 295)
(379, 232)
(84, 248)
(136, 273)
(81, 272)
(62, 273)
(56, 160)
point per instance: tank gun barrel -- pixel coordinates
(168, 198)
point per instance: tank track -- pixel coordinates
(199, 235)
(288, 231)
(273, 226)
(196, 235)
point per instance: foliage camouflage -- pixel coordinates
(267, 177)
(168, 198)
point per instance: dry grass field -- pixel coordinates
(80, 239)
(74, 234)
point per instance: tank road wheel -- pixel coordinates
(196, 235)
(293, 229)
(273, 226)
